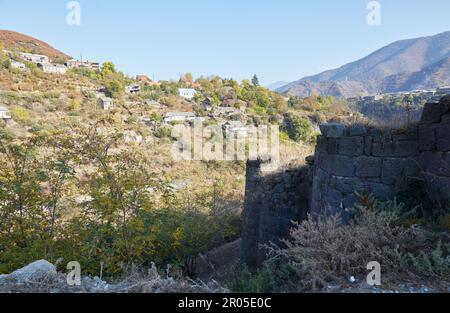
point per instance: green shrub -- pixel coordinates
(298, 128)
(21, 115)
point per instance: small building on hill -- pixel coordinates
(207, 105)
(4, 113)
(134, 88)
(232, 128)
(187, 93)
(95, 66)
(442, 91)
(17, 65)
(174, 117)
(35, 58)
(106, 103)
(53, 68)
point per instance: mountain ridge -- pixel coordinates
(16, 41)
(383, 69)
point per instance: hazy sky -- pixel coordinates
(278, 40)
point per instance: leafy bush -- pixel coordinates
(21, 115)
(298, 128)
(118, 223)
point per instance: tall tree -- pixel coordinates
(255, 80)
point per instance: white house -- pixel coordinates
(187, 93)
(53, 68)
(206, 105)
(134, 88)
(179, 117)
(235, 127)
(18, 65)
(4, 113)
(443, 90)
(105, 103)
(35, 58)
(83, 64)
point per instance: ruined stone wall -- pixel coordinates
(357, 158)
(360, 159)
(434, 146)
(348, 159)
(272, 202)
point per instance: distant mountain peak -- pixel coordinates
(276, 85)
(393, 64)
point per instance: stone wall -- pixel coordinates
(357, 158)
(272, 202)
(348, 159)
(434, 147)
(360, 159)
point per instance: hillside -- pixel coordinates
(20, 42)
(401, 66)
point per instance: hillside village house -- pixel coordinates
(179, 117)
(4, 113)
(134, 88)
(53, 68)
(187, 93)
(35, 58)
(206, 105)
(83, 64)
(443, 90)
(232, 128)
(105, 103)
(18, 65)
(153, 104)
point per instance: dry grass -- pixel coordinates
(323, 251)
(151, 282)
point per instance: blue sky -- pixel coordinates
(276, 39)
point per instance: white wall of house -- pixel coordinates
(83, 64)
(35, 58)
(179, 117)
(54, 68)
(17, 65)
(187, 93)
(106, 103)
(4, 114)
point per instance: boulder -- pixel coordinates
(34, 271)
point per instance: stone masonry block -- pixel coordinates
(351, 146)
(396, 149)
(433, 112)
(339, 165)
(333, 130)
(357, 130)
(368, 166)
(436, 162)
(394, 168)
(443, 137)
(427, 138)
